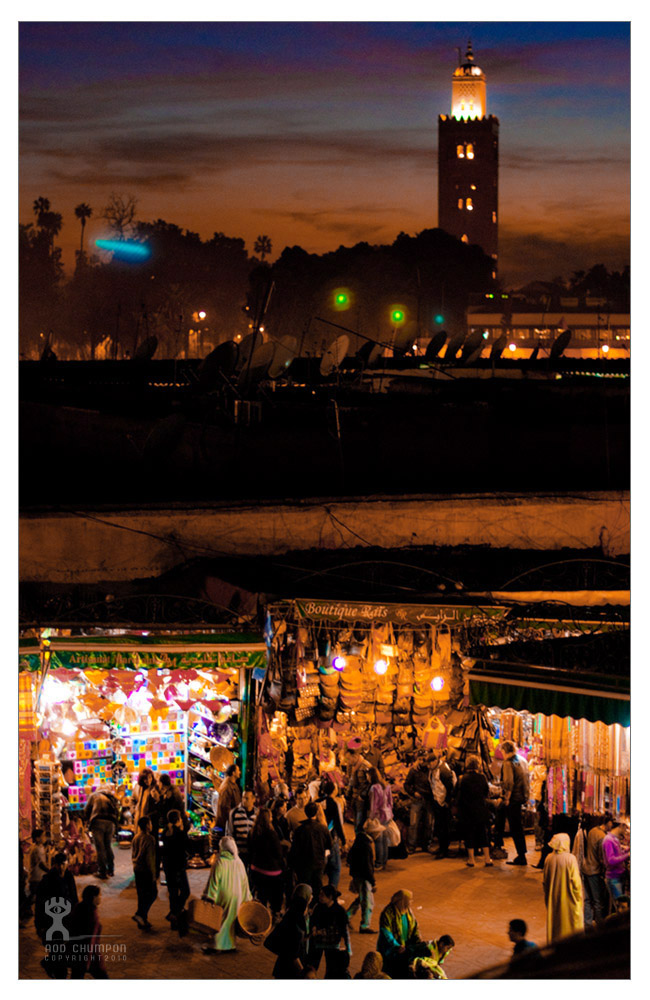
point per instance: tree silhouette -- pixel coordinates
(120, 214)
(83, 212)
(263, 246)
(41, 206)
(49, 222)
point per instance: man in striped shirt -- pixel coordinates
(240, 823)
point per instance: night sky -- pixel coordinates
(322, 133)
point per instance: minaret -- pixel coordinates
(468, 161)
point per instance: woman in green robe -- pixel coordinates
(227, 887)
(399, 940)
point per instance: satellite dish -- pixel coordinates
(246, 348)
(404, 338)
(435, 345)
(369, 353)
(364, 352)
(473, 346)
(498, 347)
(164, 437)
(285, 351)
(535, 351)
(560, 344)
(146, 350)
(375, 354)
(334, 355)
(454, 346)
(222, 360)
(258, 367)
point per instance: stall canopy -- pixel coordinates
(580, 697)
(188, 651)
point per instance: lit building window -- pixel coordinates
(464, 239)
(460, 152)
(472, 187)
(470, 150)
(460, 202)
(494, 216)
(468, 205)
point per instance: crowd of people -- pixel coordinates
(287, 850)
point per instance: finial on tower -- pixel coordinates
(469, 55)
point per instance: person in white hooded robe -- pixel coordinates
(227, 887)
(562, 890)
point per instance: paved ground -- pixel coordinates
(473, 905)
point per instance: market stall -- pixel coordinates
(103, 707)
(401, 677)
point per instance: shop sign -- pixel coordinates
(29, 661)
(149, 659)
(405, 614)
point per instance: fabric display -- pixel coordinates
(585, 764)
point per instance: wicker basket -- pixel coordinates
(253, 921)
(204, 915)
(220, 758)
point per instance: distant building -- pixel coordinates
(468, 162)
(594, 334)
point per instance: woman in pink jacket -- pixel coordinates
(380, 807)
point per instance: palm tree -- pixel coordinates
(83, 212)
(51, 224)
(41, 207)
(263, 246)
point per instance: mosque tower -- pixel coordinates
(468, 161)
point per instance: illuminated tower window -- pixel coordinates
(468, 205)
(470, 150)
(464, 238)
(472, 187)
(494, 216)
(460, 202)
(460, 152)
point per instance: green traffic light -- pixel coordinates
(341, 299)
(397, 315)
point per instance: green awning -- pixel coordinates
(565, 702)
(175, 652)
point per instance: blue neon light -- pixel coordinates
(124, 249)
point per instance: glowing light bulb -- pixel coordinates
(605, 348)
(381, 666)
(339, 663)
(512, 347)
(437, 683)
(201, 315)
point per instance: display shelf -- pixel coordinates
(47, 799)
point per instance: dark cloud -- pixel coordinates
(523, 255)
(541, 158)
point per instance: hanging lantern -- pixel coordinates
(339, 663)
(380, 667)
